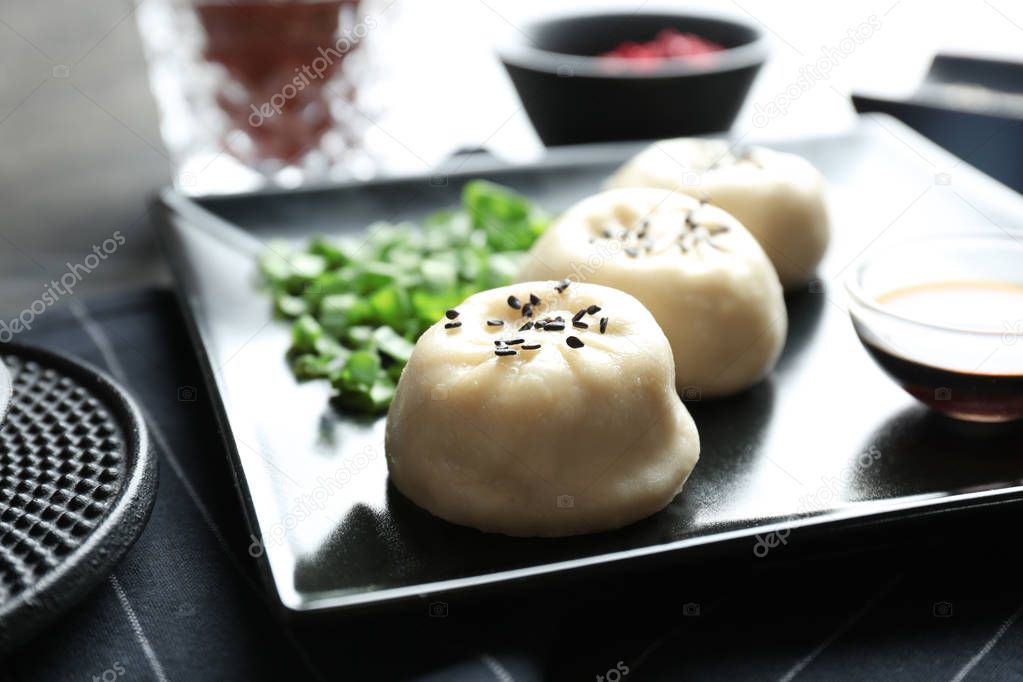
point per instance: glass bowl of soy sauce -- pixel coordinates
(943, 317)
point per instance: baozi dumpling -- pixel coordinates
(779, 197)
(542, 408)
(695, 267)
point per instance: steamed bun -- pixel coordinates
(779, 197)
(542, 408)
(695, 267)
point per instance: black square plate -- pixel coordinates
(826, 443)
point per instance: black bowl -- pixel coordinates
(573, 96)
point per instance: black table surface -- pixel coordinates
(938, 600)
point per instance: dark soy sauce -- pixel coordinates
(972, 306)
(977, 397)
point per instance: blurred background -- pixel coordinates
(84, 150)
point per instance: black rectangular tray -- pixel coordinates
(987, 133)
(827, 442)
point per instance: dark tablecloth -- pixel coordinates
(937, 600)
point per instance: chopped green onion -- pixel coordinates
(359, 304)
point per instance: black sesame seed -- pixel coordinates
(514, 342)
(501, 352)
(579, 315)
(527, 326)
(451, 314)
(534, 299)
(593, 309)
(554, 327)
(603, 325)
(579, 325)
(562, 285)
(531, 346)
(498, 342)
(495, 323)
(514, 302)
(608, 233)
(559, 318)
(452, 325)
(574, 342)
(527, 310)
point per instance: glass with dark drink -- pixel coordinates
(254, 88)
